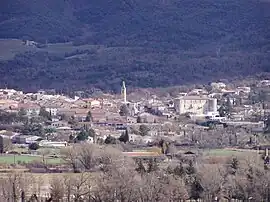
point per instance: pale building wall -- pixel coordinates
(196, 105)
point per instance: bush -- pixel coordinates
(34, 146)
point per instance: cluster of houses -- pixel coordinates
(114, 114)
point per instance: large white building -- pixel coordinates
(195, 104)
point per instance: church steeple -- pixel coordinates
(124, 92)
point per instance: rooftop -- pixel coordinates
(194, 98)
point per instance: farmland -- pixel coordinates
(10, 47)
(17, 159)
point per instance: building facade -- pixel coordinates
(195, 105)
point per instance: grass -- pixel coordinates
(222, 152)
(10, 47)
(11, 159)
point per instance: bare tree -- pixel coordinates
(70, 155)
(88, 155)
(212, 180)
(77, 187)
(56, 189)
(13, 185)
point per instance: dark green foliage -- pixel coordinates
(139, 119)
(71, 138)
(233, 165)
(110, 140)
(152, 165)
(190, 169)
(124, 137)
(43, 113)
(144, 130)
(9, 118)
(179, 170)
(89, 117)
(267, 125)
(226, 108)
(22, 112)
(147, 43)
(33, 146)
(35, 129)
(140, 167)
(82, 136)
(124, 111)
(196, 189)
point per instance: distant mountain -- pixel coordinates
(148, 43)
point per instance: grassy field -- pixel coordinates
(222, 152)
(11, 159)
(10, 47)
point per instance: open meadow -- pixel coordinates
(10, 47)
(20, 159)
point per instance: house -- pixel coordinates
(147, 118)
(30, 108)
(10, 92)
(59, 124)
(27, 139)
(244, 89)
(8, 134)
(195, 104)
(4, 144)
(8, 104)
(45, 143)
(92, 103)
(218, 85)
(63, 128)
(198, 91)
(52, 110)
(264, 83)
(80, 114)
(99, 115)
(131, 119)
(30, 43)
(66, 111)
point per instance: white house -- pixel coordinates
(30, 109)
(45, 143)
(52, 110)
(195, 104)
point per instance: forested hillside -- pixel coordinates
(148, 43)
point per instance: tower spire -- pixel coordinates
(124, 92)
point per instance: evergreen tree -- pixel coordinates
(152, 165)
(144, 130)
(89, 117)
(196, 189)
(43, 113)
(124, 137)
(110, 140)
(33, 146)
(233, 165)
(22, 112)
(139, 119)
(179, 170)
(124, 111)
(140, 167)
(82, 136)
(190, 169)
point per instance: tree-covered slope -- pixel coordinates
(148, 43)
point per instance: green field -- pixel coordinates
(222, 152)
(10, 159)
(10, 47)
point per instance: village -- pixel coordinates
(57, 120)
(45, 132)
